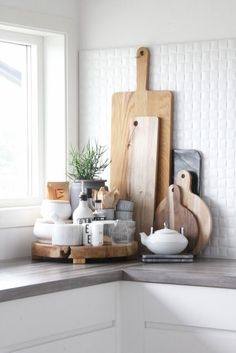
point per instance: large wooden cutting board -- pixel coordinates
(141, 103)
(198, 207)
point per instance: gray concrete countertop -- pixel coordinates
(25, 278)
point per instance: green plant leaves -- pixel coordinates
(88, 163)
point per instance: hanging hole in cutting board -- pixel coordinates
(135, 123)
(140, 53)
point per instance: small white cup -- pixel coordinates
(97, 234)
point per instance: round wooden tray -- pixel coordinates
(79, 254)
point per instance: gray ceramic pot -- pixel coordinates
(81, 185)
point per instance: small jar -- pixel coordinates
(99, 212)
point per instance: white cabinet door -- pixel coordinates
(80, 317)
(162, 318)
(131, 318)
(187, 319)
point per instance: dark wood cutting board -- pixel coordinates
(126, 106)
(198, 207)
(172, 212)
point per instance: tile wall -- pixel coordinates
(202, 76)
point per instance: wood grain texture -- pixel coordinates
(48, 250)
(125, 107)
(79, 254)
(142, 170)
(172, 212)
(198, 207)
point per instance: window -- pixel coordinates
(21, 124)
(33, 114)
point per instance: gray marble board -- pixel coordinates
(190, 160)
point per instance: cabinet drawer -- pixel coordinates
(190, 306)
(184, 340)
(57, 315)
(99, 342)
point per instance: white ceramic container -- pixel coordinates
(43, 230)
(67, 234)
(165, 242)
(59, 208)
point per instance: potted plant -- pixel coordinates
(85, 167)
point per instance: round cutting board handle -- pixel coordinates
(184, 179)
(142, 56)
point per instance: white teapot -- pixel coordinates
(165, 241)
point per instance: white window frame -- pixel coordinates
(18, 215)
(35, 109)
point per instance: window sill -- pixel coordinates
(18, 217)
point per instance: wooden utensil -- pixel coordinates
(109, 198)
(198, 207)
(171, 211)
(141, 103)
(142, 170)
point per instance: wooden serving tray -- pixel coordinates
(79, 254)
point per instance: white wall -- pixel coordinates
(116, 23)
(65, 8)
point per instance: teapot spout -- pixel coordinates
(143, 238)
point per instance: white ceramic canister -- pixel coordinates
(59, 208)
(67, 234)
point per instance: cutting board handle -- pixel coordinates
(142, 56)
(184, 179)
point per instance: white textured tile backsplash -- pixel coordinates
(202, 76)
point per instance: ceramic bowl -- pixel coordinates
(43, 229)
(67, 234)
(60, 208)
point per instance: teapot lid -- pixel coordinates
(167, 231)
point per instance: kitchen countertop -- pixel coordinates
(24, 278)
